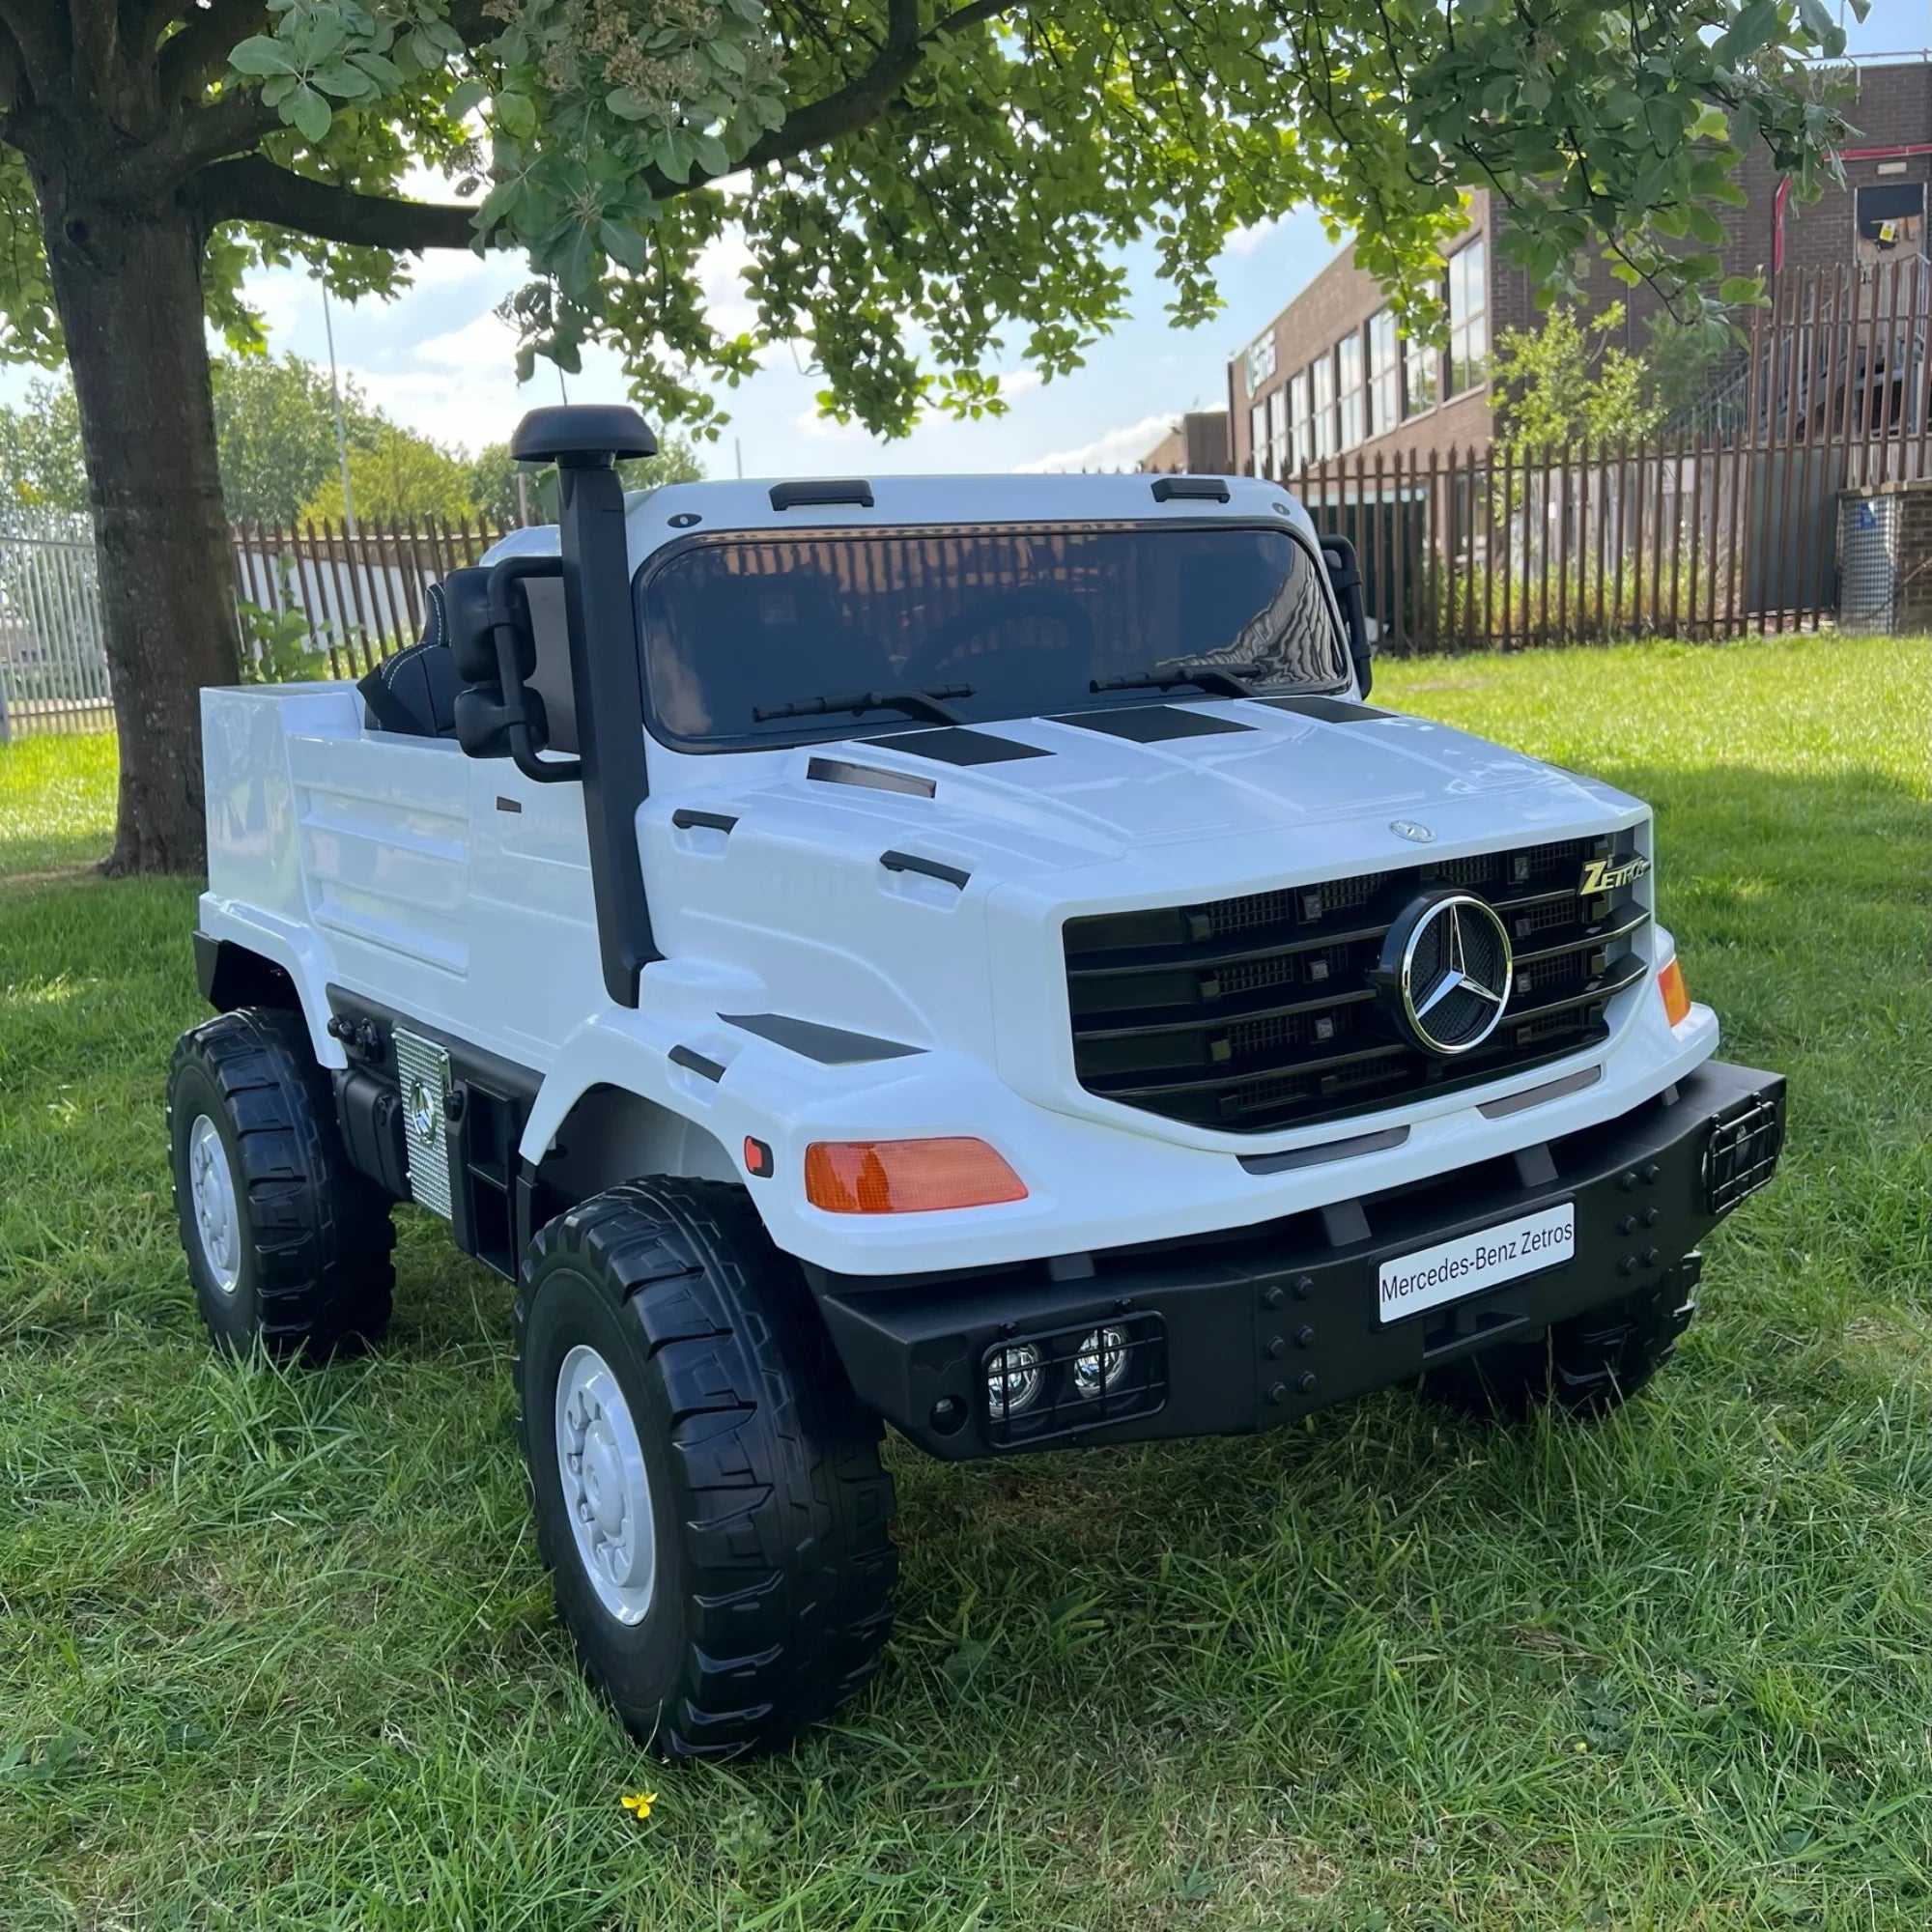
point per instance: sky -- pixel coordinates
(437, 360)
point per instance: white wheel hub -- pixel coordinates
(217, 1218)
(607, 1490)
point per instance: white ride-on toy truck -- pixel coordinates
(954, 952)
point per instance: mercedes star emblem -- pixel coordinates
(1449, 966)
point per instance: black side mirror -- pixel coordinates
(497, 714)
(1346, 577)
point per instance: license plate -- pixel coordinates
(1471, 1263)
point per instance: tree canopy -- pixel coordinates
(923, 188)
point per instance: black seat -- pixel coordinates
(413, 694)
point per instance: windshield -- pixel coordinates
(1029, 617)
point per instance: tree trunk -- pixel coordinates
(127, 286)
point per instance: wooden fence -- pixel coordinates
(1725, 527)
(361, 597)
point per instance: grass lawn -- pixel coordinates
(276, 1649)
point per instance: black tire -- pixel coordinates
(1588, 1366)
(770, 1597)
(313, 1273)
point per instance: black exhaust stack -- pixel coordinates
(585, 441)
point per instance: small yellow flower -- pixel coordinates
(640, 1802)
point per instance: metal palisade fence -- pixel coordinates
(53, 666)
(1729, 520)
(1724, 522)
(358, 597)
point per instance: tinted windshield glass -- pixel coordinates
(1030, 616)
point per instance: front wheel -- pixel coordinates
(707, 1488)
(1587, 1366)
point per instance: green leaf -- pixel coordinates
(308, 111)
(517, 113)
(260, 54)
(380, 69)
(711, 156)
(465, 96)
(345, 81)
(1736, 289)
(623, 245)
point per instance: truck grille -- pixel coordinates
(1255, 1013)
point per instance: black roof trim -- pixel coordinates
(829, 1045)
(954, 745)
(1153, 723)
(1196, 489)
(810, 493)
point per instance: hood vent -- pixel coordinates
(869, 778)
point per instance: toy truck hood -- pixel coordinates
(1265, 786)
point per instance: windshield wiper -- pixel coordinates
(1225, 680)
(926, 701)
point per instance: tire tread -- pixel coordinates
(321, 1231)
(790, 1565)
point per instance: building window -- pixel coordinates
(1892, 222)
(1418, 375)
(1384, 376)
(1260, 360)
(1354, 398)
(1468, 319)
(1278, 434)
(1257, 439)
(1302, 421)
(1323, 374)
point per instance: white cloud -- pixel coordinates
(1117, 449)
(1018, 383)
(823, 429)
(1245, 241)
(721, 273)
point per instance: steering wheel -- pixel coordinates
(942, 653)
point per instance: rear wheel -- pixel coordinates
(287, 1245)
(1588, 1365)
(707, 1489)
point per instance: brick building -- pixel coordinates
(1196, 444)
(1330, 373)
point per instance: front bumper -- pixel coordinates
(1228, 1334)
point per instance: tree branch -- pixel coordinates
(867, 95)
(13, 80)
(199, 52)
(230, 124)
(95, 26)
(255, 189)
(40, 29)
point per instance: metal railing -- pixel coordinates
(53, 664)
